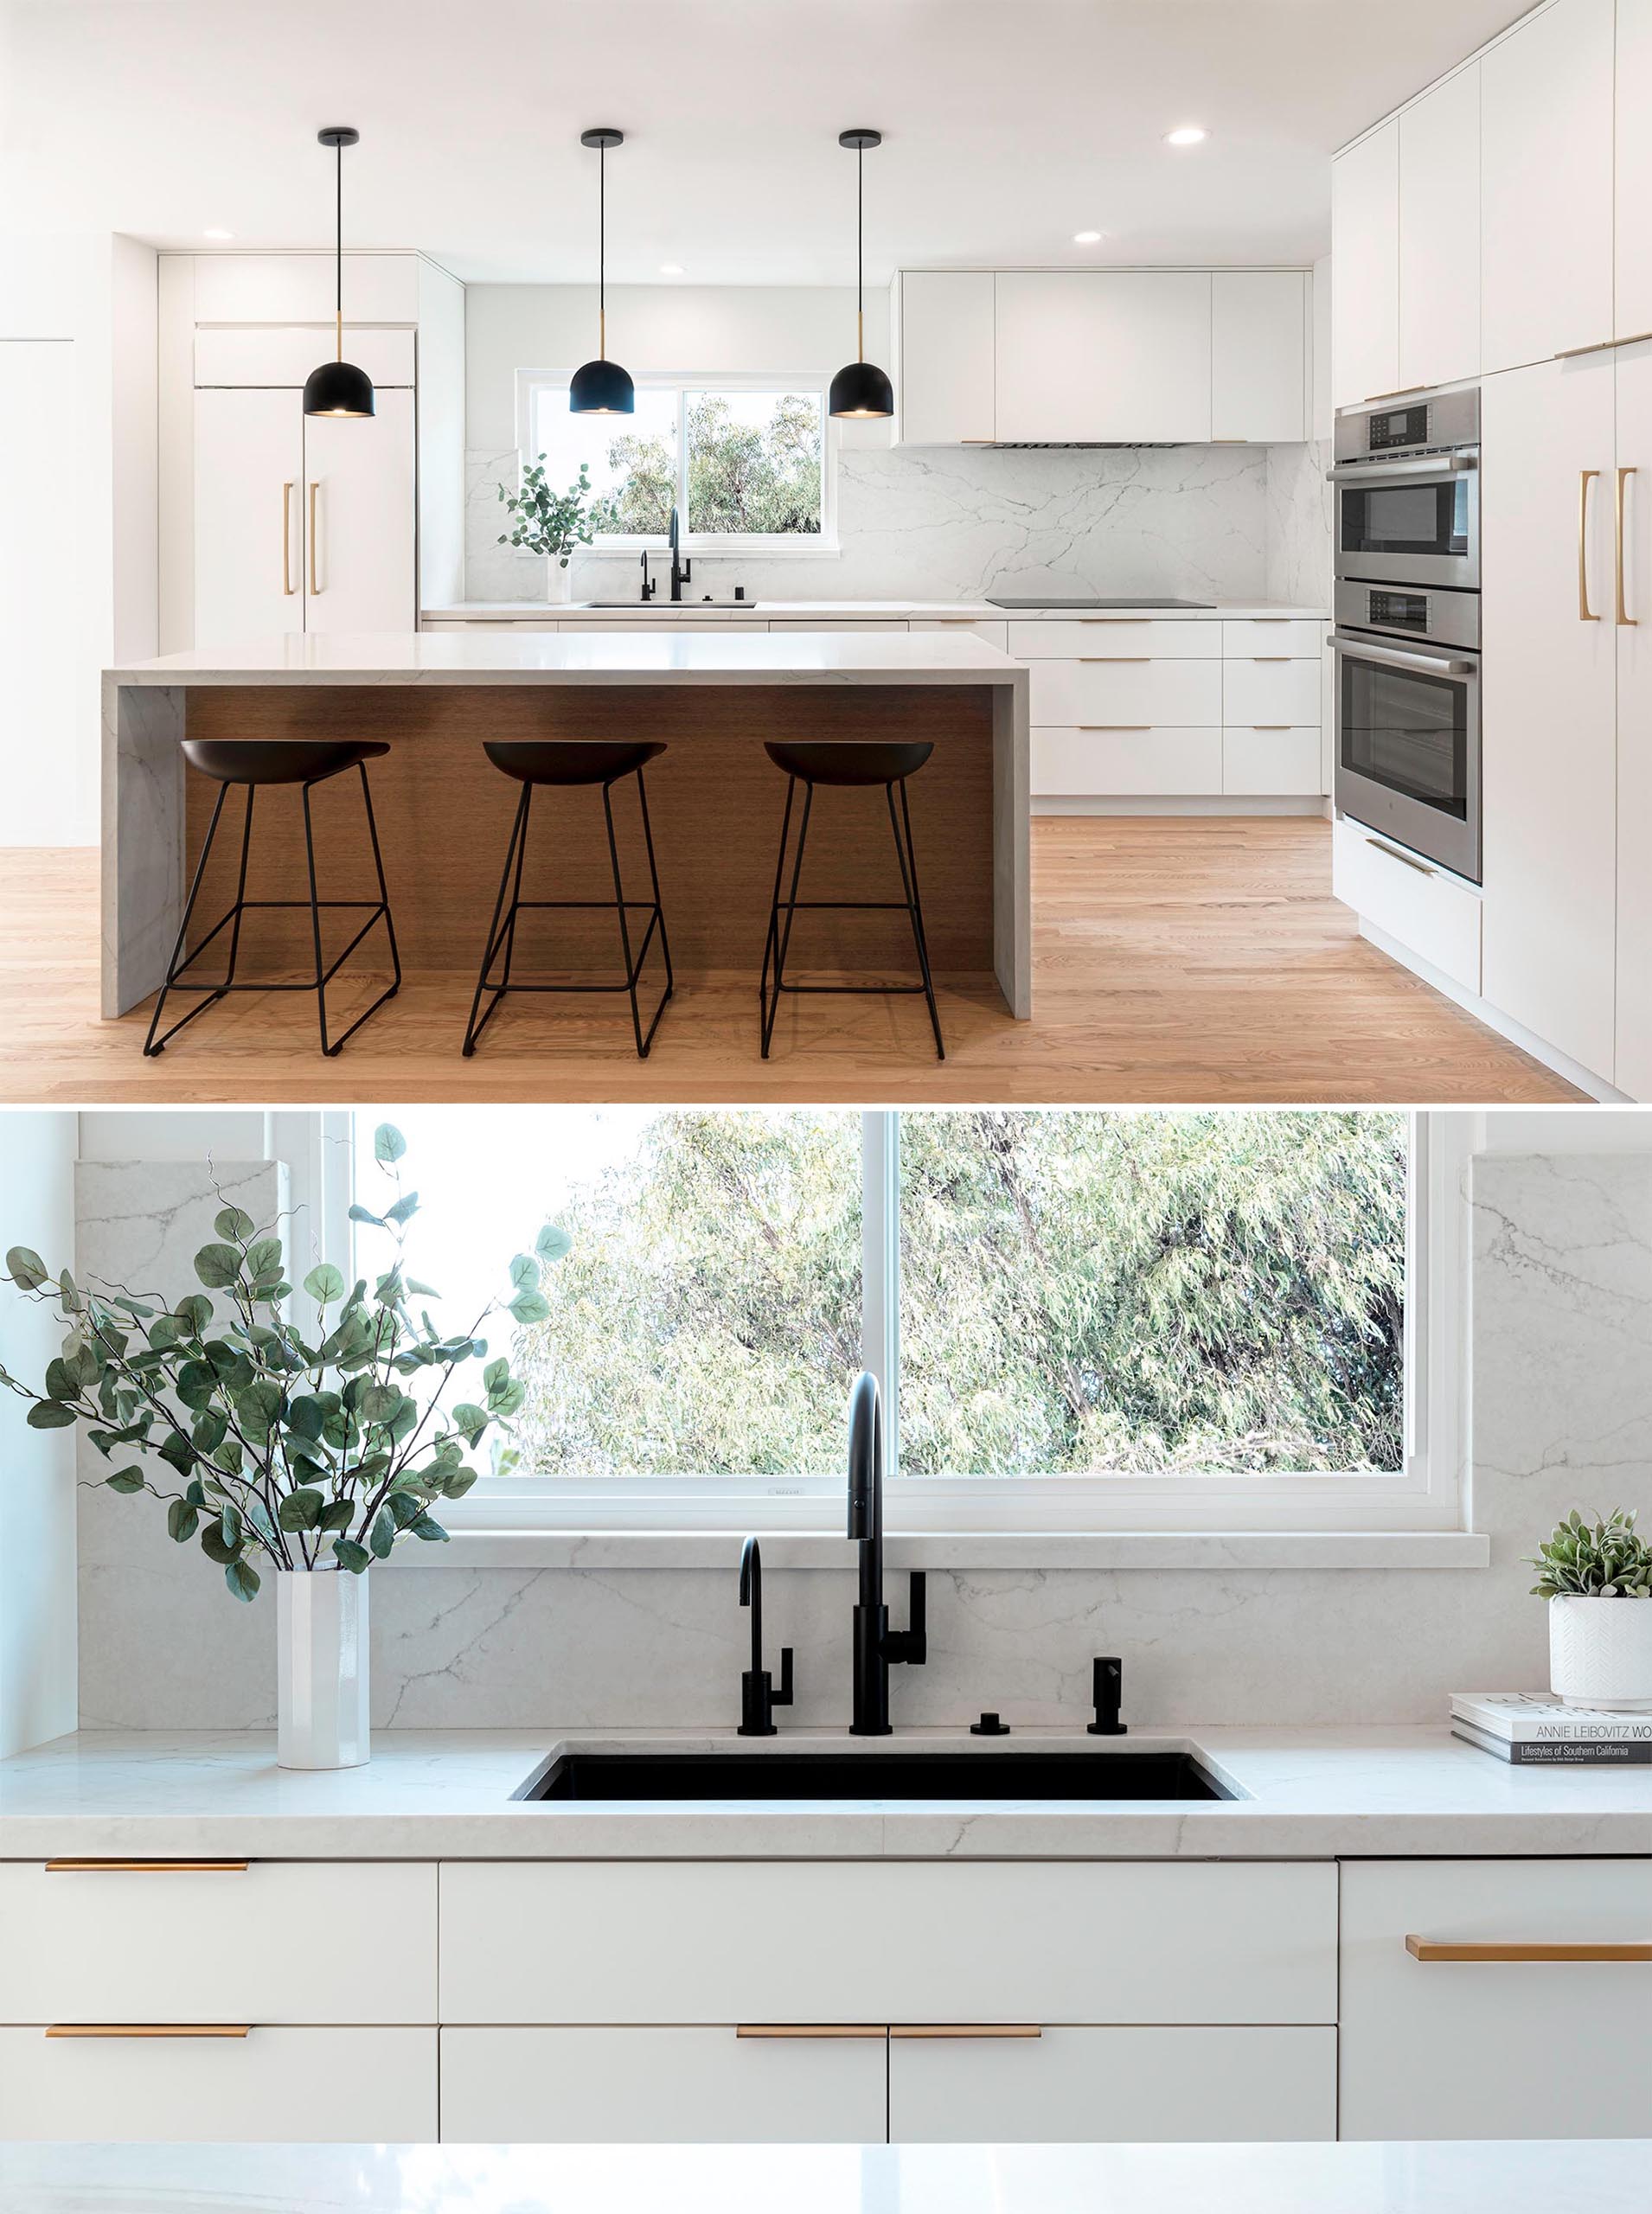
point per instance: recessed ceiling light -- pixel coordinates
(1185, 134)
(1087, 238)
(671, 269)
(215, 233)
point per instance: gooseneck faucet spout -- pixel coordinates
(757, 1697)
(876, 1648)
(680, 570)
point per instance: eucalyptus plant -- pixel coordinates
(261, 1443)
(1602, 1559)
(544, 522)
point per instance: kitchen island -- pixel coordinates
(444, 813)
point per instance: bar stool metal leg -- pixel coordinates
(654, 885)
(315, 922)
(380, 906)
(908, 860)
(791, 911)
(150, 1047)
(517, 845)
(384, 889)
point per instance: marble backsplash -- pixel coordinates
(1561, 1381)
(946, 523)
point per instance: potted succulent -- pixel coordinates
(309, 1456)
(1600, 1643)
(551, 523)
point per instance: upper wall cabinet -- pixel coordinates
(1365, 287)
(1439, 234)
(1260, 373)
(1546, 176)
(945, 341)
(299, 287)
(1634, 181)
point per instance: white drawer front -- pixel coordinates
(825, 624)
(993, 634)
(1273, 634)
(282, 1941)
(1495, 2049)
(702, 2086)
(914, 1942)
(1111, 2086)
(1074, 764)
(1108, 688)
(1436, 915)
(1273, 761)
(1268, 691)
(1061, 639)
(323, 2086)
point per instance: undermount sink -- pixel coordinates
(672, 606)
(951, 1776)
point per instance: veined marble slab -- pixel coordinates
(1602, 2177)
(432, 1794)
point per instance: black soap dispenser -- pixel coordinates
(1107, 1689)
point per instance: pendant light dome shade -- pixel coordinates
(860, 391)
(602, 387)
(338, 387)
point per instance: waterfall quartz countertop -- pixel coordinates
(863, 611)
(429, 1795)
(1605, 2177)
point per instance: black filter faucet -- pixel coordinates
(757, 1697)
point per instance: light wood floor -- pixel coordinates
(1174, 959)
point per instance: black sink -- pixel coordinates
(942, 1776)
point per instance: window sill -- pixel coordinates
(942, 1550)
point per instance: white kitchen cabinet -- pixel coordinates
(1546, 186)
(1063, 638)
(1632, 227)
(827, 624)
(1633, 639)
(1365, 267)
(303, 2086)
(1261, 689)
(300, 288)
(1490, 2047)
(991, 634)
(1436, 915)
(1109, 691)
(248, 515)
(645, 2086)
(1259, 353)
(1439, 234)
(257, 354)
(359, 519)
(1266, 760)
(1549, 688)
(1103, 355)
(1138, 760)
(1089, 2086)
(1266, 636)
(946, 357)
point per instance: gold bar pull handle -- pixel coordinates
(146, 1868)
(1628, 621)
(1585, 478)
(812, 2030)
(316, 584)
(965, 2030)
(149, 2029)
(1433, 1948)
(1120, 659)
(1118, 725)
(287, 586)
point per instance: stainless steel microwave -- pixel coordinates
(1406, 476)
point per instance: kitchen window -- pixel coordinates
(1083, 1320)
(743, 459)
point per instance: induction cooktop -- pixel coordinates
(1044, 600)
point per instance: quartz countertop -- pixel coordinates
(1602, 2177)
(509, 656)
(861, 610)
(426, 1795)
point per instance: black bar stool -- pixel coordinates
(809, 765)
(568, 762)
(254, 762)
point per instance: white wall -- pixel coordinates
(38, 1693)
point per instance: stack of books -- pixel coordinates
(1532, 1728)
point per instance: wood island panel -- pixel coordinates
(716, 800)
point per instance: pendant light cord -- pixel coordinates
(338, 251)
(860, 253)
(602, 253)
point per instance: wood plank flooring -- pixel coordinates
(1175, 959)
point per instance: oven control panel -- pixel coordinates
(1432, 614)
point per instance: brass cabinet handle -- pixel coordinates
(1601, 346)
(148, 2028)
(1115, 725)
(1585, 478)
(287, 587)
(1629, 621)
(1122, 660)
(316, 584)
(965, 2030)
(1271, 657)
(1398, 392)
(812, 2030)
(1265, 726)
(1431, 1948)
(147, 1867)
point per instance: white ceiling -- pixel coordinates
(1008, 124)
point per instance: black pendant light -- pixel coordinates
(602, 387)
(861, 390)
(338, 387)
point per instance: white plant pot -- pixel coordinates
(1600, 1653)
(559, 582)
(321, 1668)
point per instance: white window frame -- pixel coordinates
(1428, 1497)
(783, 545)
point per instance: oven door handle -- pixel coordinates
(1392, 658)
(1441, 465)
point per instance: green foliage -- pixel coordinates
(1602, 1559)
(742, 477)
(260, 1443)
(1082, 1292)
(544, 522)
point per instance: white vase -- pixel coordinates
(559, 581)
(1600, 1653)
(321, 1668)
